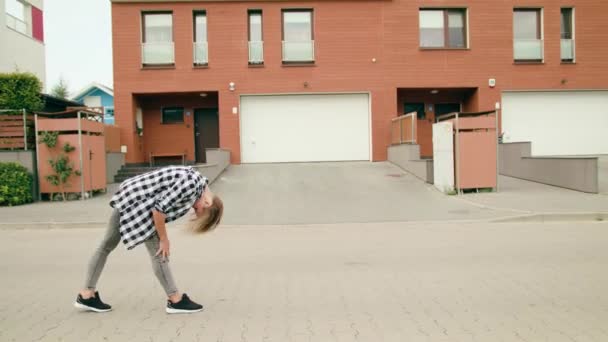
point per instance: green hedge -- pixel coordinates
(15, 185)
(19, 91)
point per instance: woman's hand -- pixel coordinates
(163, 248)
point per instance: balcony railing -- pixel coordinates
(528, 49)
(201, 53)
(16, 24)
(256, 52)
(158, 53)
(567, 48)
(299, 51)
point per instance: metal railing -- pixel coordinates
(528, 49)
(567, 49)
(256, 52)
(404, 129)
(158, 53)
(16, 23)
(299, 51)
(201, 53)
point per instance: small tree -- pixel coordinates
(20, 91)
(60, 89)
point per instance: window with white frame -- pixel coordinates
(256, 42)
(527, 35)
(298, 39)
(157, 38)
(108, 117)
(201, 47)
(567, 35)
(16, 15)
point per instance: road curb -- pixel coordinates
(526, 218)
(51, 225)
(555, 217)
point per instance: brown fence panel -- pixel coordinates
(425, 138)
(16, 132)
(112, 135)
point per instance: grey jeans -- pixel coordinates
(111, 240)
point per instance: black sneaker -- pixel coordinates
(92, 304)
(183, 306)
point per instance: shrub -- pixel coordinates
(15, 185)
(20, 91)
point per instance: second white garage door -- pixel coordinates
(305, 128)
(557, 122)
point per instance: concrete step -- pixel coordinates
(128, 171)
(119, 180)
(132, 170)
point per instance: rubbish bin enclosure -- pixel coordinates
(83, 130)
(475, 144)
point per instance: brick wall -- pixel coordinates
(348, 35)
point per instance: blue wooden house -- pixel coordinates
(98, 95)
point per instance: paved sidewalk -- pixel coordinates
(529, 197)
(92, 212)
(373, 282)
(318, 193)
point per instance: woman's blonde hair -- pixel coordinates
(210, 218)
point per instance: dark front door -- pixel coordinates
(206, 132)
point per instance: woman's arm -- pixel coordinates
(161, 230)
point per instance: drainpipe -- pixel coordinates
(497, 146)
(80, 147)
(37, 156)
(457, 135)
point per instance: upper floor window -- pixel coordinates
(527, 35)
(256, 41)
(443, 28)
(24, 18)
(15, 15)
(157, 38)
(567, 34)
(201, 47)
(298, 39)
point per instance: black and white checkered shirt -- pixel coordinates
(170, 190)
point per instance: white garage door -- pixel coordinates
(304, 128)
(557, 123)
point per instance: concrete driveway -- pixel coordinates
(312, 193)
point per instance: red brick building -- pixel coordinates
(280, 81)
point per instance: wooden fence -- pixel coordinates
(17, 131)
